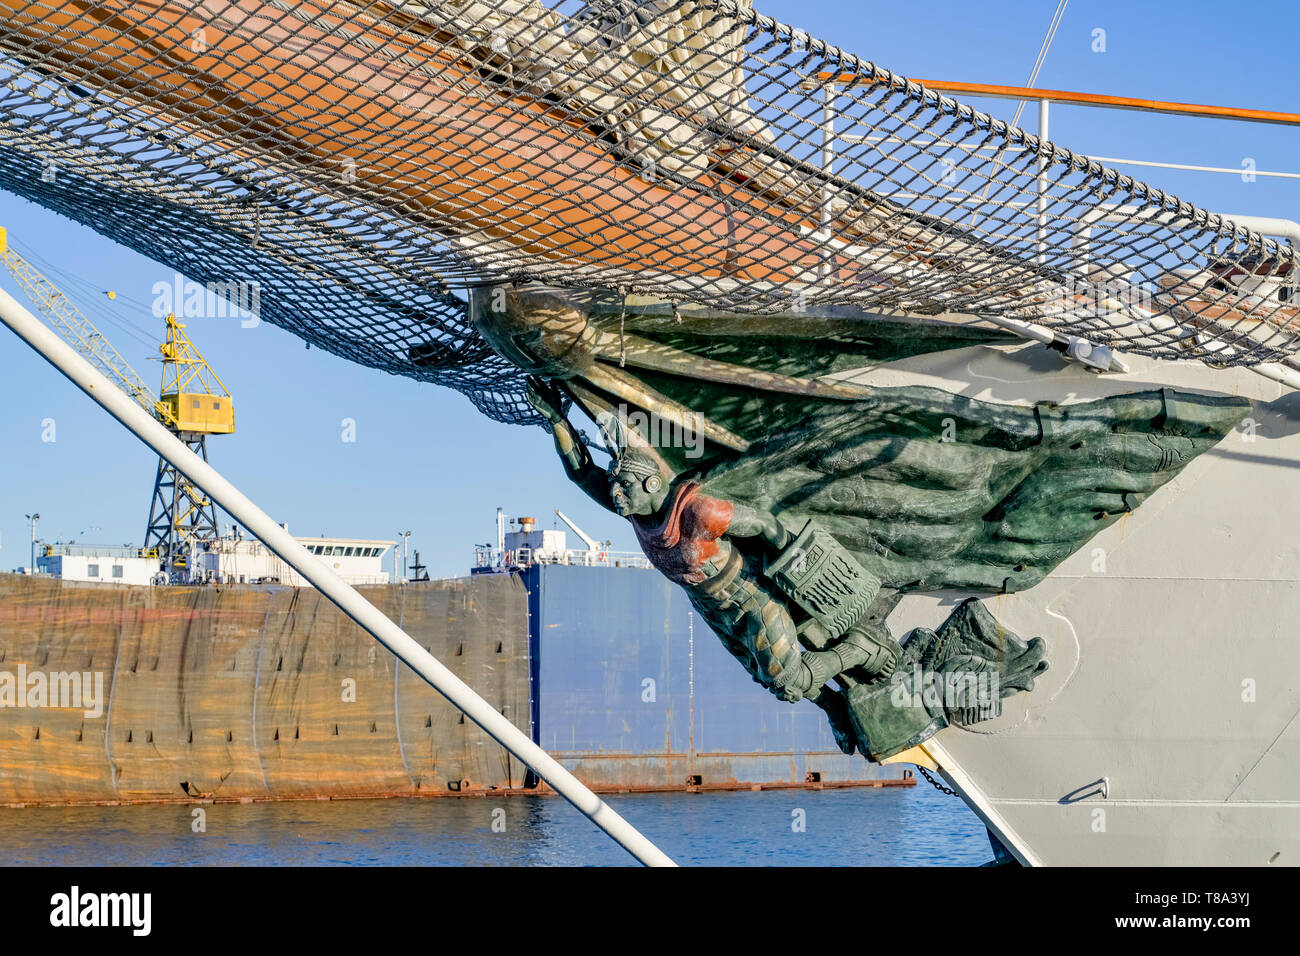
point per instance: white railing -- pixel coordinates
(502, 560)
(71, 549)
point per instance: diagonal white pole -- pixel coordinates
(118, 404)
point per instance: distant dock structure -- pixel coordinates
(230, 559)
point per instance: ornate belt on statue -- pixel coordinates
(718, 587)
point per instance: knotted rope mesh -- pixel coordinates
(365, 163)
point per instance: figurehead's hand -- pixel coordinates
(546, 398)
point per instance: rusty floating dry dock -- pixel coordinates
(252, 693)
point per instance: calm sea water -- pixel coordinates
(914, 826)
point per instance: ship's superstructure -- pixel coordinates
(526, 545)
(235, 559)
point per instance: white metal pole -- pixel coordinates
(828, 166)
(116, 402)
(1043, 109)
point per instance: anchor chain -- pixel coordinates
(935, 783)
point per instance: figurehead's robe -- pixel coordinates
(932, 490)
(929, 489)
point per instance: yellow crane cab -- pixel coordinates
(192, 397)
(201, 412)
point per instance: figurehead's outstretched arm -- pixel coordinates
(582, 471)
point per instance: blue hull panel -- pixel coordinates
(631, 688)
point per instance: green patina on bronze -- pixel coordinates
(807, 347)
(840, 349)
(814, 505)
(932, 490)
(958, 675)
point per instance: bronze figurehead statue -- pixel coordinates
(718, 550)
(813, 501)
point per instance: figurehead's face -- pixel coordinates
(630, 496)
(632, 493)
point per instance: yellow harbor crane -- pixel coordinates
(192, 402)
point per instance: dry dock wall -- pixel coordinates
(253, 692)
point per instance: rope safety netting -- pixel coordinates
(364, 163)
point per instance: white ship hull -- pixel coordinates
(1166, 731)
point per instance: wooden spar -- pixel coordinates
(1103, 100)
(629, 388)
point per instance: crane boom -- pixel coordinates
(592, 543)
(77, 330)
(193, 404)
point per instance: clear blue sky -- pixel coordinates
(426, 461)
